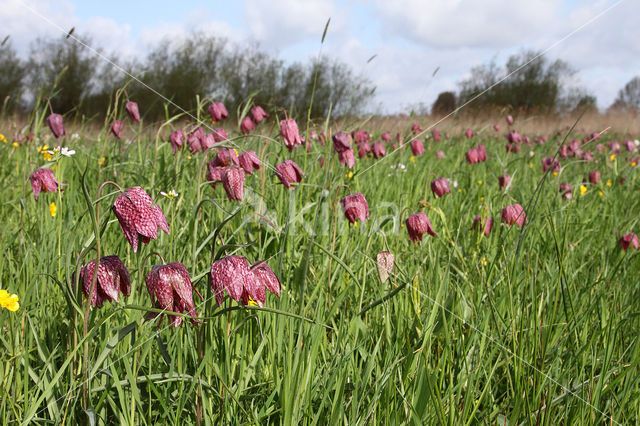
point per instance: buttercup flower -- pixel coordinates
(138, 216)
(53, 209)
(417, 225)
(355, 207)
(113, 278)
(170, 289)
(9, 301)
(43, 180)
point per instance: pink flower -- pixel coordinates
(218, 111)
(514, 214)
(440, 186)
(246, 125)
(565, 190)
(258, 114)
(289, 172)
(504, 181)
(341, 142)
(170, 289)
(249, 161)
(436, 135)
(496, 127)
(487, 222)
(234, 275)
(138, 216)
(290, 133)
(514, 137)
(415, 128)
(116, 128)
(417, 148)
(132, 110)
(364, 149)
(417, 225)
(384, 263)
(226, 157)
(594, 177)
(360, 136)
(233, 183)
(629, 240)
(113, 278)
(55, 124)
(347, 158)
(378, 150)
(176, 139)
(440, 155)
(43, 180)
(355, 207)
(468, 133)
(550, 163)
(214, 173)
(220, 135)
(386, 137)
(509, 119)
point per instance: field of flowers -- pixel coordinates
(340, 272)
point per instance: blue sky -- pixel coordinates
(411, 38)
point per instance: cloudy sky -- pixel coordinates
(410, 38)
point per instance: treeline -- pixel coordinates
(77, 80)
(530, 83)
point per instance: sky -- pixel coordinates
(409, 38)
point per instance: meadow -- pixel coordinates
(533, 324)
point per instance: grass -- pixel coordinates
(526, 326)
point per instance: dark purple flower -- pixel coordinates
(246, 125)
(417, 148)
(346, 158)
(550, 163)
(218, 111)
(226, 157)
(565, 190)
(378, 150)
(290, 133)
(504, 181)
(133, 111)
(113, 278)
(220, 135)
(249, 161)
(341, 142)
(487, 222)
(234, 274)
(514, 137)
(363, 150)
(629, 240)
(233, 182)
(289, 172)
(514, 214)
(116, 128)
(355, 207)
(43, 180)
(170, 289)
(214, 173)
(176, 139)
(258, 114)
(440, 186)
(138, 216)
(594, 177)
(55, 124)
(417, 225)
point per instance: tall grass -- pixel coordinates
(538, 326)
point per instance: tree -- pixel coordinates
(11, 77)
(628, 97)
(444, 104)
(527, 81)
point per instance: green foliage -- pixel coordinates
(11, 78)
(444, 104)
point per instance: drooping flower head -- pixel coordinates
(289, 172)
(504, 181)
(487, 223)
(116, 128)
(113, 279)
(565, 190)
(177, 139)
(384, 263)
(346, 158)
(363, 150)
(341, 142)
(247, 125)
(217, 111)
(509, 119)
(355, 207)
(386, 137)
(290, 133)
(440, 186)
(417, 148)
(629, 240)
(133, 111)
(138, 216)
(233, 182)
(415, 129)
(249, 161)
(43, 180)
(550, 163)
(55, 124)
(514, 214)
(234, 275)
(417, 225)
(220, 135)
(468, 133)
(258, 114)
(378, 150)
(594, 177)
(170, 289)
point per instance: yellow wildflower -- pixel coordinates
(608, 182)
(483, 261)
(481, 198)
(583, 189)
(531, 165)
(555, 174)
(633, 164)
(9, 302)
(15, 144)
(601, 193)
(355, 224)
(479, 181)
(612, 157)
(102, 161)
(53, 209)
(2, 138)
(412, 159)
